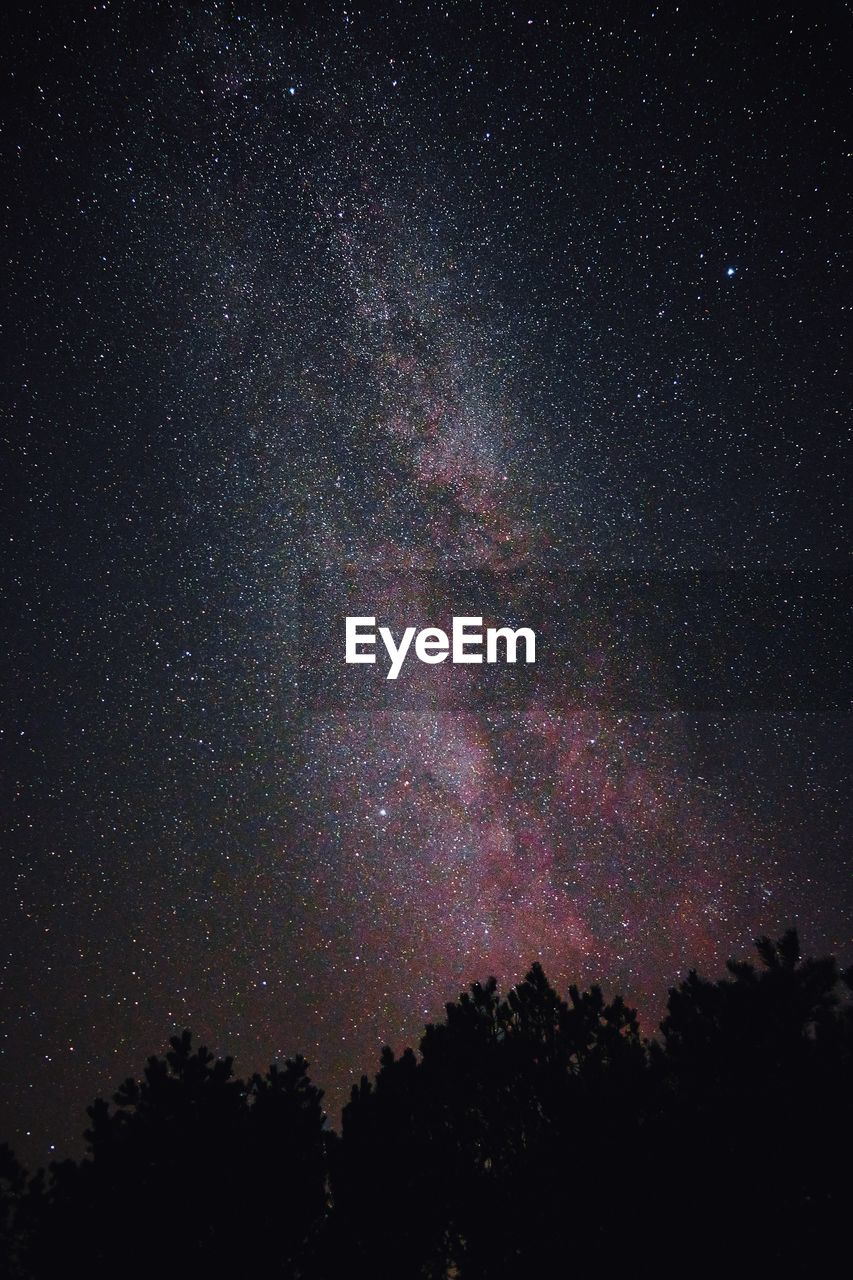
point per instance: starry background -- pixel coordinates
(535, 313)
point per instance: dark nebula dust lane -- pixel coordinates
(410, 312)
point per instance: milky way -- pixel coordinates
(526, 316)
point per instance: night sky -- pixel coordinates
(533, 313)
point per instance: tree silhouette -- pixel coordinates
(13, 1186)
(537, 1135)
(191, 1169)
(515, 1107)
(532, 1136)
(757, 1073)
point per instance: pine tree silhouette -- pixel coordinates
(191, 1169)
(532, 1136)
